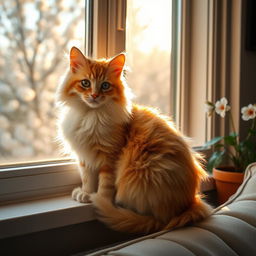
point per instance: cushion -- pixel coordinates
(230, 230)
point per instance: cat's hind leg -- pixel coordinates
(106, 185)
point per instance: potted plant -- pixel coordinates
(231, 154)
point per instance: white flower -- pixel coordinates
(221, 107)
(248, 112)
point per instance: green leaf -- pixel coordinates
(247, 146)
(215, 159)
(231, 139)
(212, 142)
(219, 145)
(252, 132)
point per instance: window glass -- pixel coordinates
(148, 47)
(34, 37)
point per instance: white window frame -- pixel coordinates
(19, 183)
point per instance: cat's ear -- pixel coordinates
(116, 65)
(77, 59)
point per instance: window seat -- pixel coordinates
(231, 230)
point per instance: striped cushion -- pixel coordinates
(231, 230)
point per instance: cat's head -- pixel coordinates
(94, 83)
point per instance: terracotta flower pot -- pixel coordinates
(227, 182)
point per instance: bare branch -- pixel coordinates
(58, 56)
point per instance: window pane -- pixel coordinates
(34, 36)
(148, 46)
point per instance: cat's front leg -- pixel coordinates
(89, 177)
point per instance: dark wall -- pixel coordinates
(69, 240)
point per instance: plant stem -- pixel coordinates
(237, 153)
(232, 123)
(252, 128)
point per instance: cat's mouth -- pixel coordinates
(93, 102)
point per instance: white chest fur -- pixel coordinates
(86, 131)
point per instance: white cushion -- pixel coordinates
(231, 230)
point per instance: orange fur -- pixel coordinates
(145, 175)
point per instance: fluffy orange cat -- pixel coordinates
(135, 167)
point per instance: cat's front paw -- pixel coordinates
(80, 195)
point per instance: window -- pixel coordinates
(168, 49)
(34, 36)
(148, 47)
(191, 66)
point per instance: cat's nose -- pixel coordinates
(94, 95)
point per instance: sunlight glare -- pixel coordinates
(225, 208)
(155, 20)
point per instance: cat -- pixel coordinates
(135, 166)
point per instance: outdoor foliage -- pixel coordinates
(34, 35)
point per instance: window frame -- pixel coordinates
(108, 35)
(186, 75)
(35, 181)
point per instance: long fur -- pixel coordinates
(146, 176)
(125, 220)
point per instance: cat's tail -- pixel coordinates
(199, 210)
(122, 219)
(125, 220)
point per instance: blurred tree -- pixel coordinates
(34, 37)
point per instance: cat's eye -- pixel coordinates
(86, 83)
(105, 86)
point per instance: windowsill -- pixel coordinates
(33, 216)
(39, 215)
